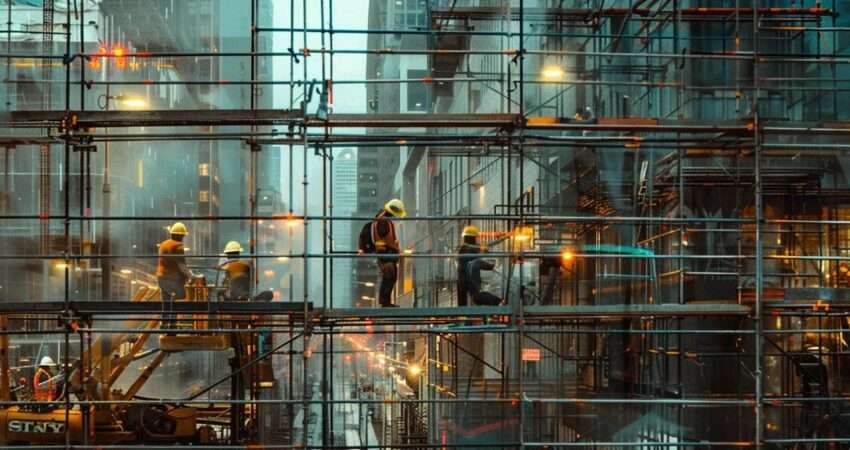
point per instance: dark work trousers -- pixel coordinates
(468, 253)
(479, 296)
(170, 288)
(462, 288)
(238, 289)
(486, 298)
(389, 275)
(549, 287)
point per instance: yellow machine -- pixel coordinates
(104, 364)
(26, 427)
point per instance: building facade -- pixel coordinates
(344, 178)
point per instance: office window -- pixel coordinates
(410, 14)
(417, 92)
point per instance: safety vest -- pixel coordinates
(43, 387)
(388, 241)
(236, 268)
(237, 278)
(170, 256)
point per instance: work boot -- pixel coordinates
(389, 305)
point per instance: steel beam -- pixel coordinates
(157, 118)
(654, 310)
(116, 307)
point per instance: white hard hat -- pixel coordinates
(47, 361)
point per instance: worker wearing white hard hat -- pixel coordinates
(44, 388)
(172, 274)
(171, 270)
(237, 273)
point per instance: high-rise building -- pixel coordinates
(344, 179)
(380, 170)
(200, 27)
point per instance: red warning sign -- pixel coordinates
(531, 354)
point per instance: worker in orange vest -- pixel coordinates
(379, 237)
(237, 274)
(171, 271)
(43, 386)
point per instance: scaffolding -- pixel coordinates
(680, 165)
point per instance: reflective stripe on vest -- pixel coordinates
(43, 387)
(391, 237)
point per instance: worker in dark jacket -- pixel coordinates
(479, 296)
(379, 237)
(469, 247)
(237, 274)
(386, 242)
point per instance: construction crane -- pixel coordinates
(118, 420)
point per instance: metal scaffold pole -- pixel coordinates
(759, 256)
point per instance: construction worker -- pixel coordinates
(468, 245)
(480, 296)
(171, 271)
(379, 236)
(237, 274)
(43, 385)
(21, 392)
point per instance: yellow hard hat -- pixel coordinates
(395, 207)
(178, 228)
(470, 230)
(232, 247)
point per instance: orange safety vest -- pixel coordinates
(388, 241)
(236, 268)
(237, 278)
(170, 257)
(43, 387)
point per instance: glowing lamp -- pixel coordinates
(552, 73)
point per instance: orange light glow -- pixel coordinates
(95, 61)
(120, 62)
(523, 234)
(291, 221)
